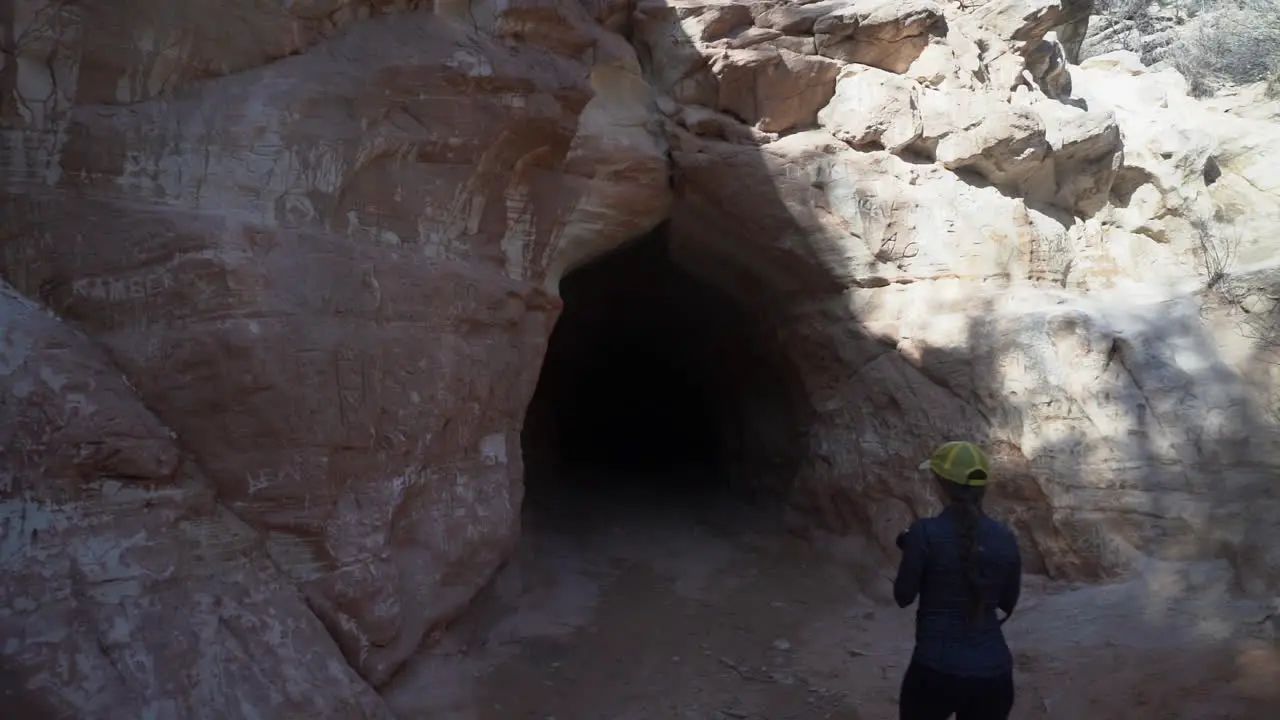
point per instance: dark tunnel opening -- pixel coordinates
(659, 391)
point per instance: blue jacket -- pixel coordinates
(931, 568)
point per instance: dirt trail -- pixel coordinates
(632, 611)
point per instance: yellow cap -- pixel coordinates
(960, 462)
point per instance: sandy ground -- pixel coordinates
(631, 609)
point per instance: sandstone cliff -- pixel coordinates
(312, 253)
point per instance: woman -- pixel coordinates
(963, 565)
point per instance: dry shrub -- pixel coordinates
(1235, 42)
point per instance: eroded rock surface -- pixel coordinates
(326, 254)
(304, 278)
(129, 592)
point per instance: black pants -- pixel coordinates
(931, 695)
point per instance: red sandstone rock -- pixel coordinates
(323, 244)
(129, 592)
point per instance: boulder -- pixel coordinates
(1023, 23)
(1086, 152)
(887, 34)
(874, 106)
(774, 89)
(1005, 147)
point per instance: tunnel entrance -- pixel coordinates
(658, 391)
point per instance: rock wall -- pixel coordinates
(303, 254)
(129, 591)
(996, 244)
(323, 244)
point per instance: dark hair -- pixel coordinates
(968, 502)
